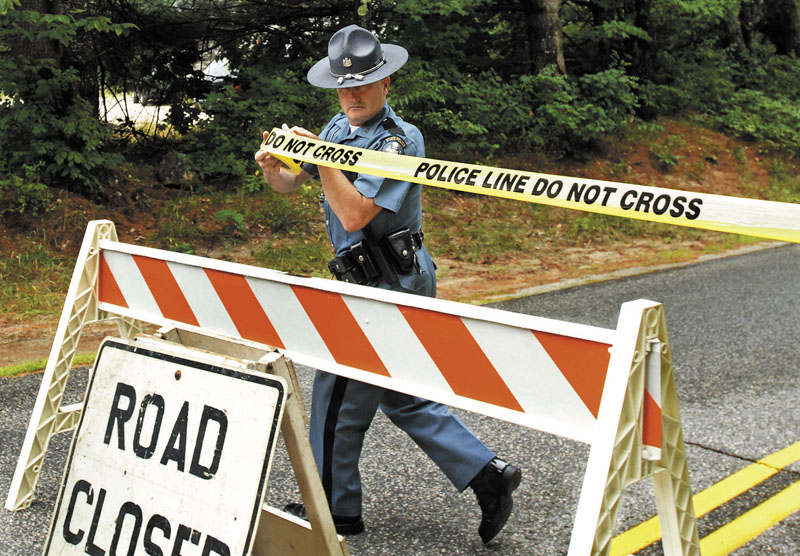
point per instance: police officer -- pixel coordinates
(374, 226)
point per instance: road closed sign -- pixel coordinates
(171, 455)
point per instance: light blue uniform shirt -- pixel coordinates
(401, 201)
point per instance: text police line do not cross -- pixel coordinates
(509, 181)
(755, 217)
(589, 194)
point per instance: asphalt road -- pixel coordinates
(733, 331)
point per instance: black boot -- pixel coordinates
(493, 486)
(345, 525)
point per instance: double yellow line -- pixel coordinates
(744, 528)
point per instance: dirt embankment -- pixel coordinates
(705, 161)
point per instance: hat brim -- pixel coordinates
(320, 73)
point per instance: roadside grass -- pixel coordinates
(33, 281)
(38, 365)
(784, 182)
(303, 256)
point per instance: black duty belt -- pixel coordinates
(371, 259)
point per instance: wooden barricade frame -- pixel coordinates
(278, 532)
(614, 389)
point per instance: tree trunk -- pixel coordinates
(781, 25)
(751, 13)
(77, 55)
(39, 49)
(545, 46)
(641, 50)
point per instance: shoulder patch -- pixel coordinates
(394, 144)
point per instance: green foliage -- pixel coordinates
(44, 123)
(279, 214)
(774, 75)
(68, 148)
(772, 121)
(233, 219)
(569, 115)
(613, 31)
(39, 365)
(33, 280)
(474, 116)
(23, 195)
(179, 225)
(758, 99)
(221, 145)
(785, 183)
(692, 56)
(186, 223)
(6, 5)
(455, 112)
(469, 85)
(305, 256)
(664, 153)
(288, 214)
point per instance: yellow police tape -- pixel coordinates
(753, 217)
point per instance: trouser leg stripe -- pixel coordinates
(329, 435)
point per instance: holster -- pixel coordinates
(356, 265)
(372, 258)
(401, 246)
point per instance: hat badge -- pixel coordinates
(346, 62)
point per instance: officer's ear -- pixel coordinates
(387, 82)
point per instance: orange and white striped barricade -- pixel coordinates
(613, 389)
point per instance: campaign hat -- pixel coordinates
(356, 57)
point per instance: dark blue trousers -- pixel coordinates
(341, 412)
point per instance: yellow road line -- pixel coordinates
(645, 534)
(747, 526)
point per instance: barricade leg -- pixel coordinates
(616, 461)
(279, 533)
(673, 491)
(48, 416)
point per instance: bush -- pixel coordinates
(69, 147)
(458, 113)
(44, 123)
(569, 115)
(775, 122)
(222, 144)
(476, 115)
(20, 196)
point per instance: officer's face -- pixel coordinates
(362, 103)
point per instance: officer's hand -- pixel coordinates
(297, 130)
(268, 163)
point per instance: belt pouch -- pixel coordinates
(400, 247)
(344, 269)
(362, 256)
